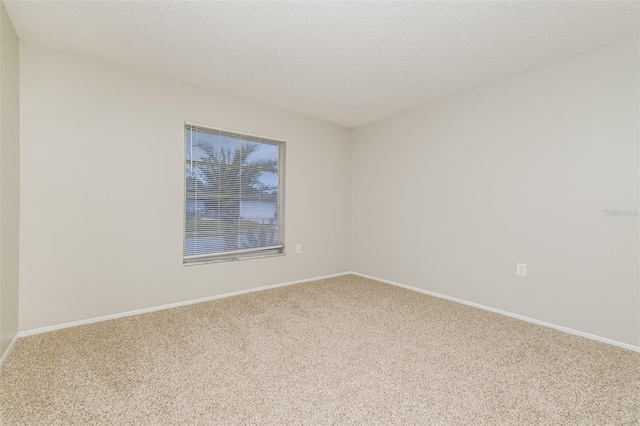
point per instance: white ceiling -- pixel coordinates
(345, 62)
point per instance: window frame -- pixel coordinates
(244, 254)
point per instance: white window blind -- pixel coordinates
(234, 195)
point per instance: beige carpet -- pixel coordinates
(340, 351)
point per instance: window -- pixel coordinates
(234, 195)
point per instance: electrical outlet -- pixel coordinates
(521, 269)
(298, 248)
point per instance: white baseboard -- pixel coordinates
(167, 306)
(9, 349)
(251, 290)
(508, 314)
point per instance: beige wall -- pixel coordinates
(9, 180)
(102, 191)
(449, 197)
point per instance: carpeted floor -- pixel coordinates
(344, 350)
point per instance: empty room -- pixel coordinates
(229, 213)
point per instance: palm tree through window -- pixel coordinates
(233, 195)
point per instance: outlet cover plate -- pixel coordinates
(521, 269)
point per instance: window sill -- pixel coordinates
(231, 258)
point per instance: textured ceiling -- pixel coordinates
(346, 62)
